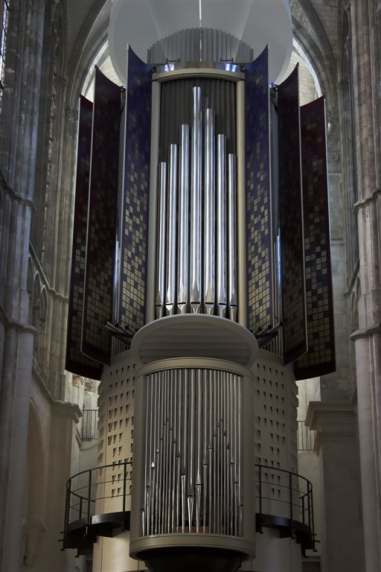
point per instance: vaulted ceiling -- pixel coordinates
(316, 18)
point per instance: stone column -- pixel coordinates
(65, 417)
(18, 133)
(341, 526)
(368, 338)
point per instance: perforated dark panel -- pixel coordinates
(137, 171)
(76, 362)
(320, 358)
(291, 219)
(102, 219)
(258, 197)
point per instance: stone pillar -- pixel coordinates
(19, 119)
(65, 417)
(368, 338)
(341, 526)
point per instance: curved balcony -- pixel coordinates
(98, 503)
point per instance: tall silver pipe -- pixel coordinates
(231, 471)
(232, 237)
(160, 272)
(196, 207)
(173, 445)
(198, 481)
(221, 226)
(218, 452)
(148, 458)
(158, 491)
(215, 429)
(184, 465)
(154, 468)
(209, 214)
(210, 451)
(183, 251)
(239, 415)
(191, 492)
(172, 228)
(164, 455)
(205, 401)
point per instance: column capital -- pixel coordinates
(366, 332)
(334, 419)
(70, 410)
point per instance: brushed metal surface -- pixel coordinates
(196, 204)
(209, 214)
(221, 226)
(183, 250)
(172, 233)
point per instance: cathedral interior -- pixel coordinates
(190, 285)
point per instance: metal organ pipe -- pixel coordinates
(172, 228)
(183, 251)
(198, 228)
(196, 225)
(221, 226)
(209, 214)
(232, 237)
(160, 291)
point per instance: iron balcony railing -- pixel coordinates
(89, 424)
(101, 497)
(305, 438)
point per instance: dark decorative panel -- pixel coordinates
(76, 362)
(320, 358)
(258, 197)
(101, 235)
(136, 195)
(291, 219)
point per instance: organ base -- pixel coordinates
(209, 421)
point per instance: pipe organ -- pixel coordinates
(196, 270)
(212, 262)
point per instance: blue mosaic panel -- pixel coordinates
(98, 306)
(320, 358)
(76, 362)
(258, 197)
(136, 195)
(291, 219)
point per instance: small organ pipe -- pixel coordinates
(221, 225)
(209, 214)
(193, 478)
(190, 493)
(232, 237)
(196, 210)
(172, 228)
(183, 251)
(239, 418)
(160, 293)
(198, 452)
